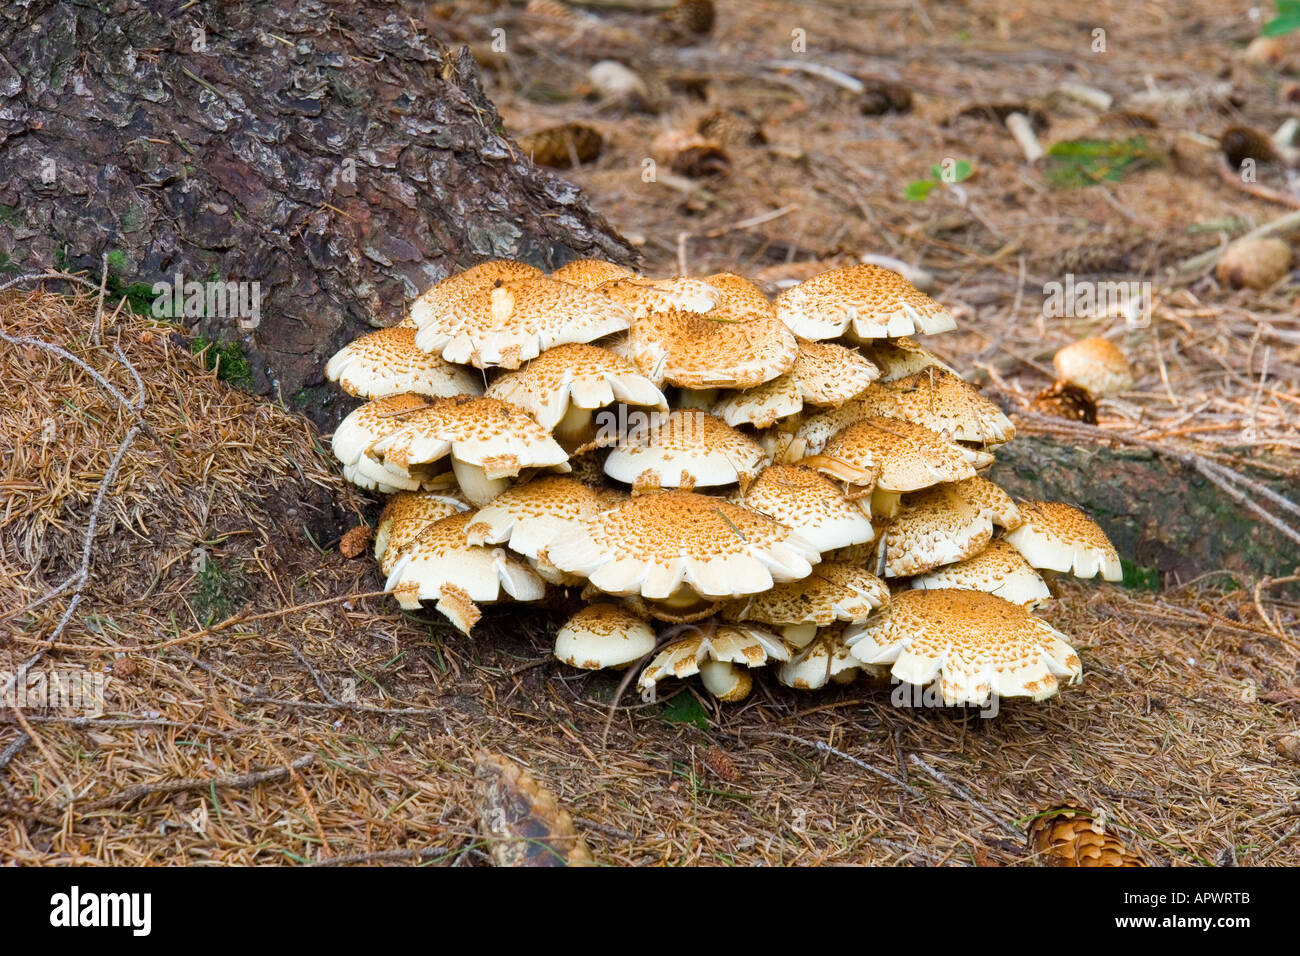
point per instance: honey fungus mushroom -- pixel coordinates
(603, 635)
(387, 362)
(686, 449)
(1096, 365)
(1058, 537)
(823, 374)
(721, 655)
(865, 301)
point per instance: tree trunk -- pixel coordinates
(320, 148)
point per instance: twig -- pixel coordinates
(827, 748)
(827, 73)
(959, 791)
(240, 782)
(1285, 223)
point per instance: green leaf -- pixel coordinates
(961, 171)
(685, 708)
(918, 189)
(1281, 24)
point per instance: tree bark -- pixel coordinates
(320, 148)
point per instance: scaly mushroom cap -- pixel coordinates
(801, 498)
(714, 350)
(405, 517)
(387, 362)
(934, 527)
(431, 308)
(823, 374)
(740, 298)
(581, 376)
(591, 273)
(641, 297)
(899, 358)
(1095, 365)
(1058, 537)
(902, 456)
(661, 545)
(530, 516)
(603, 635)
(686, 449)
(833, 592)
(941, 402)
(992, 501)
(998, 569)
(726, 643)
(827, 658)
(976, 644)
(508, 324)
(498, 437)
(440, 565)
(372, 422)
(864, 300)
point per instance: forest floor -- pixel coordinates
(264, 705)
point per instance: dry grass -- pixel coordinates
(317, 725)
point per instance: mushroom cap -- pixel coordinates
(905, 456)
(833, 592)
(866, 301)
(764, 405)
(809, 502)
(584, 376)
(686, 448)
(498, 437)
(603, 635)
(431, 307)
(441, 565)
(370, 423)
(528, 517)
(991, 500)
(712, 350)
(387, 362)
(728, 643)
(641, 297)
(591, 273)
(941, 402)
(1095, 365)
(1254, 263)
(740, 298)
(975, 644)
(823, 374)
(899, 358)
(509, 323)
(655, 545)
(934, 527)
(998, 569)
(405, 517)
(1058, 537)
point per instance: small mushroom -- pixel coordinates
(826, 659)
(865, 301)
(899, 358)
(406, 516)
(833, 592)
(720, 655)
(603, 635)
(974, 644)
(439, 565)
(387, 362)
(686, 449)
(943, 403)
(1095, 365)
(1058, 537)
(933, 527)
(1254, 263)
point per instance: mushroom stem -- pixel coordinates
(475, 484)
(704, 398)
(799, 635)
(885, 504)
(725, 681)
(572, 429)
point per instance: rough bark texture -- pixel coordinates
(323, 148)
(1160, 513)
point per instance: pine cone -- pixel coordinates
(354, 541)
(559, 146)
(521, 819)
(1063, 838)
(731, 128)
(881, 96)
(691, 16)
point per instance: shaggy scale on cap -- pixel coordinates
(717, 655)
(591, 273)
(941, 402)
(823, 374)
(899, 358)
(833, 592)
(406, 516)
(711, 351)
(642, 297)
(934, 527)
(974, 644)
(999, 569)
(603, 635)
(686, 449)
(801, 498)
(431, 308)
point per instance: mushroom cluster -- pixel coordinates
(730, 481)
